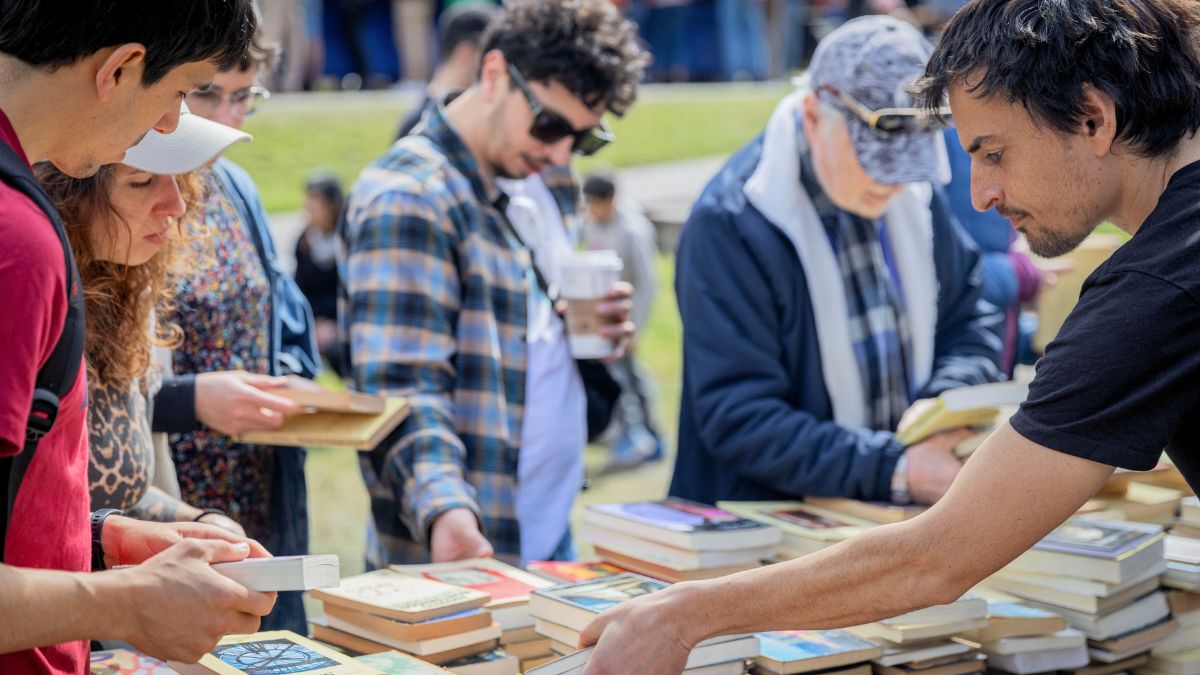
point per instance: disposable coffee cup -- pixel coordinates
(585, 279)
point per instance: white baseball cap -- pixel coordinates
(194, 143)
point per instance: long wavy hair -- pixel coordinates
(118, 298)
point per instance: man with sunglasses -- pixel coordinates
(826, 292)
(444, 303)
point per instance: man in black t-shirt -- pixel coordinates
(1074, 112)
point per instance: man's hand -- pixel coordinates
(614, 313)
(932, 465)
(128, 541)
(455, 535)
(235, 402)
(176, 607)
(650, 631)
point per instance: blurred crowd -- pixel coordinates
(373, 44)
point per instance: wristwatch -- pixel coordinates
(900, 493)
(98, 518)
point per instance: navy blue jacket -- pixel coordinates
(755, 418)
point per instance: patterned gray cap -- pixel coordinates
(873, 60)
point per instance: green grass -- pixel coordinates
(292, 139)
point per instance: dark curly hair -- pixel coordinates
(585, 45)
(1141, 53)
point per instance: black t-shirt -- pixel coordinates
(1121, 383)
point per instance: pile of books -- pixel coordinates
(806, 527)
(1023, 639)
(1188, 522)
(385, 610)
(562, 612)
(1136, 501)
(1103, 578)
(925, 642)
(831, 652)
(509, 589)
(677, 540)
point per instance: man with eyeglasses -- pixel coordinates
(444, 303)
(826, 292)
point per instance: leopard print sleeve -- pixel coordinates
(121, 448)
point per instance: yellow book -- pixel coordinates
(335, 429)
(279, 651)
(963, 407)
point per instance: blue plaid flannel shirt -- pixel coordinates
(434, 308)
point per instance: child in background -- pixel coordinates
(633, 436)
(317, 253)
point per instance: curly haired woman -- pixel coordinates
(123, 226)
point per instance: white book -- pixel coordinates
(965, 609)
(422, 647)
(1065, 639)
(286, 573)
(1141, 613)
(1040, 662)
(1073, 585)
(894, 655)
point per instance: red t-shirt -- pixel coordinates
(49, 527)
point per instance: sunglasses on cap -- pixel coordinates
(891, 120)
(549, 127)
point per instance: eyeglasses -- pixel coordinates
(243, 102)
(549, 127)
(891, 120)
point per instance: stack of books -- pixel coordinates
(1023, 639)
(509, 589)
(806, 528)
(832, 652)
(923, 641)
(384, 610)
(1137, 502)
(1188, 522)
(562, 612)
(1183, 563)
(1178, 652)
(1103, 578)
(677, 540)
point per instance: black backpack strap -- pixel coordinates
(60, 371)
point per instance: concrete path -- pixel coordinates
(665, 192)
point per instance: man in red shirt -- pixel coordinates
(80, 83)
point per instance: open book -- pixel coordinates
(976, 406)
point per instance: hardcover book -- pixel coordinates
(273, 653)
(399, 596)
(284, 573)
(683, 524)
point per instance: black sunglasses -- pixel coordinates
(891, 120)
(549, 127)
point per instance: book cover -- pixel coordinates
(126, 662)
(803, 645)
(599, 594)
(505, 583)
(334, 429)
(401, 596)
(571, 572)
(800, 519)
(276, 653)
(1099, 538)
(679, 515)
(399, 663)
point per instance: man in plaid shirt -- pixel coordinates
(442, 302)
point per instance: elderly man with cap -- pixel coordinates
(826, 292)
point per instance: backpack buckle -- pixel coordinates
(42, 415)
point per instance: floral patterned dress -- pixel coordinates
(224, 309)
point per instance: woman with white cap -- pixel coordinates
(123, 226)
